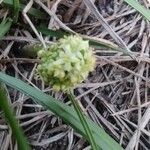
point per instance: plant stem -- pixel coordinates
(83, 121)
(16, 5)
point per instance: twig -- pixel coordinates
(20, 60)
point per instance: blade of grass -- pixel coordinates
(16, 6)
(46, 31)
(141, 9)
(16, 130)
(83, 121)
(34, 12)
(5, 26)
(66, 113)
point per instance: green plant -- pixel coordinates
(66, 113)
(79, 60)
(8, 113)
(5, 26)
(83, 121)
(16, 6)
(66, 63)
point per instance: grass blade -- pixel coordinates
(141, 9)
(65, 112)
(46, 31)
(5, 26)
(83, 121)
(16, 6)
(16, 130)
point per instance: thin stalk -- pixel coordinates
(8, 113)
(83, 121)
(16, 6)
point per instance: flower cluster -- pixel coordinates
(66, 63)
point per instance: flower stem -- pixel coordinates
(83, 121)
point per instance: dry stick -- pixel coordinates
(135, 126)
(124, 68)
(138, 75)
(53, 9)
(49, 140)
(127, 58)
(144, 120)
(21, 60)
(137, 82)
(62, 25)
(102, 84)
(20, 39)
(130, 109)
(94, 10)
(23, 39)
(118, 119)
(146, 117)
(100, 117)
(25, 10)
(137, 93)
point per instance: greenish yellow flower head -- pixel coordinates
(66, 63)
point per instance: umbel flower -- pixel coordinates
(66, 63)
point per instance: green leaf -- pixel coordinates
(46, 31)
(5, 26)
(16, 6)
(141, 9)
(66, 113)
(16, 130)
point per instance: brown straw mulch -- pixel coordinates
(116, 94)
